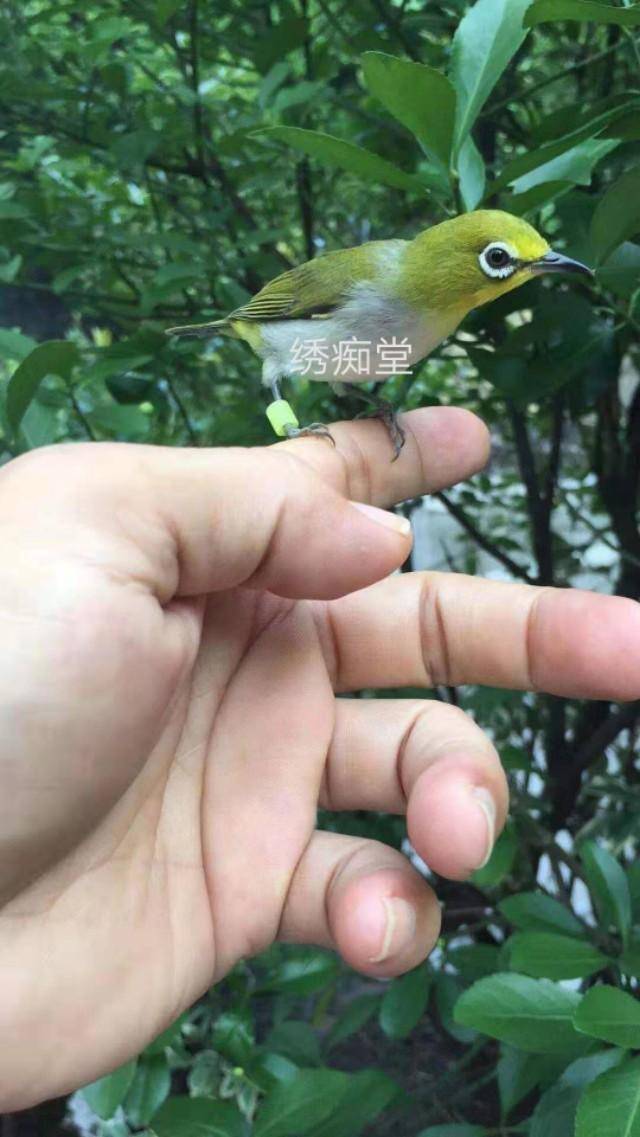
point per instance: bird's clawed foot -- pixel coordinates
(313, 430)
(387, 415)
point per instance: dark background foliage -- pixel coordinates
(161, 159)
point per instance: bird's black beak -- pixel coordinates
(557, 262)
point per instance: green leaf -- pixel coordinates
(620, 273)
(345, 155)
(471, 173)
(12, 210)
(610, 1014)
(368, 1094)
(127, 424)
(418, 96)
(486, 39)
(533, 911)
(295, 1107)
(617, 214)
(274, 43)
(233, 1036)
(554, 1115)
(15, 345)
(105, 1095)
(544, 156)
(629, 961)
(501, 860)
(54, 357)
(296, 1040)
(404, 1002)
(611, 1105)
(307, 971)
(552, 956)
(133, 149)
(150, 1087)
(453, 1131)
(473, 961)
(520, 1073)
(532, 1014)
(197, 1117)
(543, 11)
(169, 1037)
(574, 165)
(354, 1016)
(608, 886)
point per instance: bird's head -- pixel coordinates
(476, 257)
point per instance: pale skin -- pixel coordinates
(176, 625)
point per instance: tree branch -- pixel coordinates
(480, 539)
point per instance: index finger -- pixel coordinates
(444, 445)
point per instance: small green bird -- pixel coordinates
(369, 312)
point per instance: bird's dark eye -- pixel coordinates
(498, 257)
(497, 260)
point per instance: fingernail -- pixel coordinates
(399, 928)
(487, 805)
(383, 517)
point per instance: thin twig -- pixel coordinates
(480, 539)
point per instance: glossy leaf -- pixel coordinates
(54, 357)
(610, 1014)
(197, 1117)
(471, 173)
(501, 860)
(150, 1088)
(611, 1105)
(304, 972)
(345, 155)
(608, 886)
(404, 1002)
(552, 956)
(486, 39)
(169, 1037)
(575, 165)
(534, 911)
(533, 159)
(453, 1131)
(542, 11)
(554, 1115)
(297, 1041)
(233, 1036)
(620, 273)
(520, 1073)
(418, 96)
(352, 1018)
(295, 1107)
(617, 214)
(368, 1094)
(106, 1094)
(532, 1014)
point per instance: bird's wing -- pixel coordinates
(315, 288)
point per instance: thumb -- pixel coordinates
(265, 519)
(188, 522)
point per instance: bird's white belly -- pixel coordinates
(370, 337)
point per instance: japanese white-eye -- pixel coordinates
(385, 294)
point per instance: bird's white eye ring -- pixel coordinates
(498, 260)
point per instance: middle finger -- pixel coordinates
(426, 628)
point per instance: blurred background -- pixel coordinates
(160, 161)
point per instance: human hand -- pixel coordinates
(176, 624)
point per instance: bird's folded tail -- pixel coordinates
(199, 330)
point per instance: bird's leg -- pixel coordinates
(383, 409)
(314, 429)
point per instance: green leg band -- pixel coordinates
(281, 416)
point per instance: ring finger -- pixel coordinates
(428, 759)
